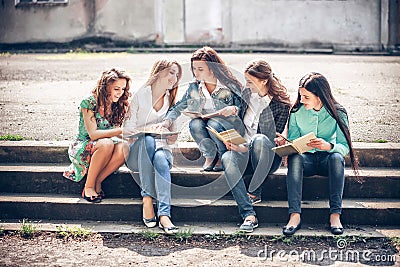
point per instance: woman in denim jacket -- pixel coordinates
(217, 91)
(316, 110)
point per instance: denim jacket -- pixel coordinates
(194, 100)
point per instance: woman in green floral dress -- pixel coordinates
(98, 149)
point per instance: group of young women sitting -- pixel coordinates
(260, 111)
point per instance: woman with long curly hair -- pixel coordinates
(97, 150)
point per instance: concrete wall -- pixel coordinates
(44, 23)
(305, 23)
(126, 20)
(340, 24)
(337, 24)
(122, 20)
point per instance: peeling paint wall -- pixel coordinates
(123, 20)
(45, 23)
(343, 24)
(306, 23)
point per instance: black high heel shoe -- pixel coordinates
(150, 223)
(218, 168)
(335, 230)
(101, 195)
(168, 230)
(209, 168)
(92, 199)
(291, 230)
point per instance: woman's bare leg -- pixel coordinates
(148, 208)
(100, 157)
(117, 159)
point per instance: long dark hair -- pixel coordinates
(118, 110)
(217, 66)
(317, 84)
(261, 70)
(158, 67)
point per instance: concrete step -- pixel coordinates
(67, 207)
(186, 153)
(193, 182)
(202, 228)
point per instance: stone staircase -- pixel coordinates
(32, 186)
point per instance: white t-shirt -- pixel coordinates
(209, 106)
(251, 118)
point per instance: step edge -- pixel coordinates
(180, 145)
(200, 228)
(390, 203)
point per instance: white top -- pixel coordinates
(251, 118)
(143, 113)
(209, 106)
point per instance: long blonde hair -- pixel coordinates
(159, 66)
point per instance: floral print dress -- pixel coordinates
(80, 150)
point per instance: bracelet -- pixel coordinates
(332, 145)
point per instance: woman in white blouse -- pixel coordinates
(150, 156)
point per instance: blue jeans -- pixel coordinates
(263, 162)
(236, 165)
(154, 171)
(318, 163)
(209, 144)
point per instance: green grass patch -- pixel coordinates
(149, 235)
(74, 232)
(380, 141)
(28, 230)
(284, 239)
(11, 137)
(5, 54)
(184, 234)
(395, 241)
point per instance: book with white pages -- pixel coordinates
(231, 136)
(195, 114)
(298, 145)
(155, 133)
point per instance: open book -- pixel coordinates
(195, 114)
(156, 134)
(231, 136)
(298, 145)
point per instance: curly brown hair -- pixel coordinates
(117, 112)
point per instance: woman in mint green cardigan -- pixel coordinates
(317, 111)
